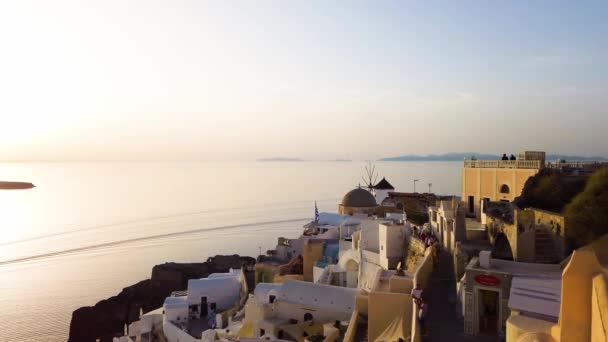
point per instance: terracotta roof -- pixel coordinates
(384, 185)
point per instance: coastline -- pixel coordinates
(106, 319)
(16, 185)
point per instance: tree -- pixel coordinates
(587, 214)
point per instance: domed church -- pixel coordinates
(358, 201)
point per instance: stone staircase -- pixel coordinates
(361, 335)
(544, 245)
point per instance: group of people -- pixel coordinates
(425, 235)
(422, 307)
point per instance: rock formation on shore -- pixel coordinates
(107, 318)
(15, 185)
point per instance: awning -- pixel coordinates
(536, 295)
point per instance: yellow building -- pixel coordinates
(583, 306)
(497, 180)
(527, 235)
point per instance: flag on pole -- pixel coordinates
(316, 213)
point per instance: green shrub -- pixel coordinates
(587, 214)
(550, 190)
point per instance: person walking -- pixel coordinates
(417, 293)
(422, 313)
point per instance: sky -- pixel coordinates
(240, 80)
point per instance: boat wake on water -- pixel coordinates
(144, 238)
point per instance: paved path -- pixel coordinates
(443, 323)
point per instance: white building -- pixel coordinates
(218, 292)
(288, 310)
(328, 226)
(376, 245)
(381, 190)
(209, 303)
(447, 221)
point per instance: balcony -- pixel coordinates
(504, 164)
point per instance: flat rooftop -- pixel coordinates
(519, 268)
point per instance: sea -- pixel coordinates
(87, 230)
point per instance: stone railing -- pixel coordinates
(578, 165)
(504, 164)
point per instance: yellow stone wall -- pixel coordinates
(383, 308)
(280, 279)
(521, 234)
(599, 309)
(518, 326)
(265, 273)
(486, 183)
(313, 251)
(583, 312)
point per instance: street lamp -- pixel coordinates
(415, 180)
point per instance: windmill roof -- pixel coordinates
(384, 185)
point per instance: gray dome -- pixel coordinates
(359, 198)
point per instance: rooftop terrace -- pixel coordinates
(505, 164)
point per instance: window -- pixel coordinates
(504, 189)
(308, 316)
(262, 332)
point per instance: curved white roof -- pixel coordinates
(323, 296)
(263, 290)
(175, 302)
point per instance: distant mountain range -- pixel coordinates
(480, 156)
(283, 159)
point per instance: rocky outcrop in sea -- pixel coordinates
(107, 318)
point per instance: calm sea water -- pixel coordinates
(89, 229)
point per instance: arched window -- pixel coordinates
(308, 316)
(504, 189)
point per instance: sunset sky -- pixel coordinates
(240, 80)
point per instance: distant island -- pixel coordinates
(279, 159)
(480, 156)
(15, 185)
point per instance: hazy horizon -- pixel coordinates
(219, 81)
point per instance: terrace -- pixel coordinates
(504, 164)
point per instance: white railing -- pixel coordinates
(504, 164)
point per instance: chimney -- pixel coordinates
(485, 259)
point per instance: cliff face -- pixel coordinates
(107, 318)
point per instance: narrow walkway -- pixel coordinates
(443, 323)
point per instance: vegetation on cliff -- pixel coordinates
(550, 190)
(582, 200)
(587, 214)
